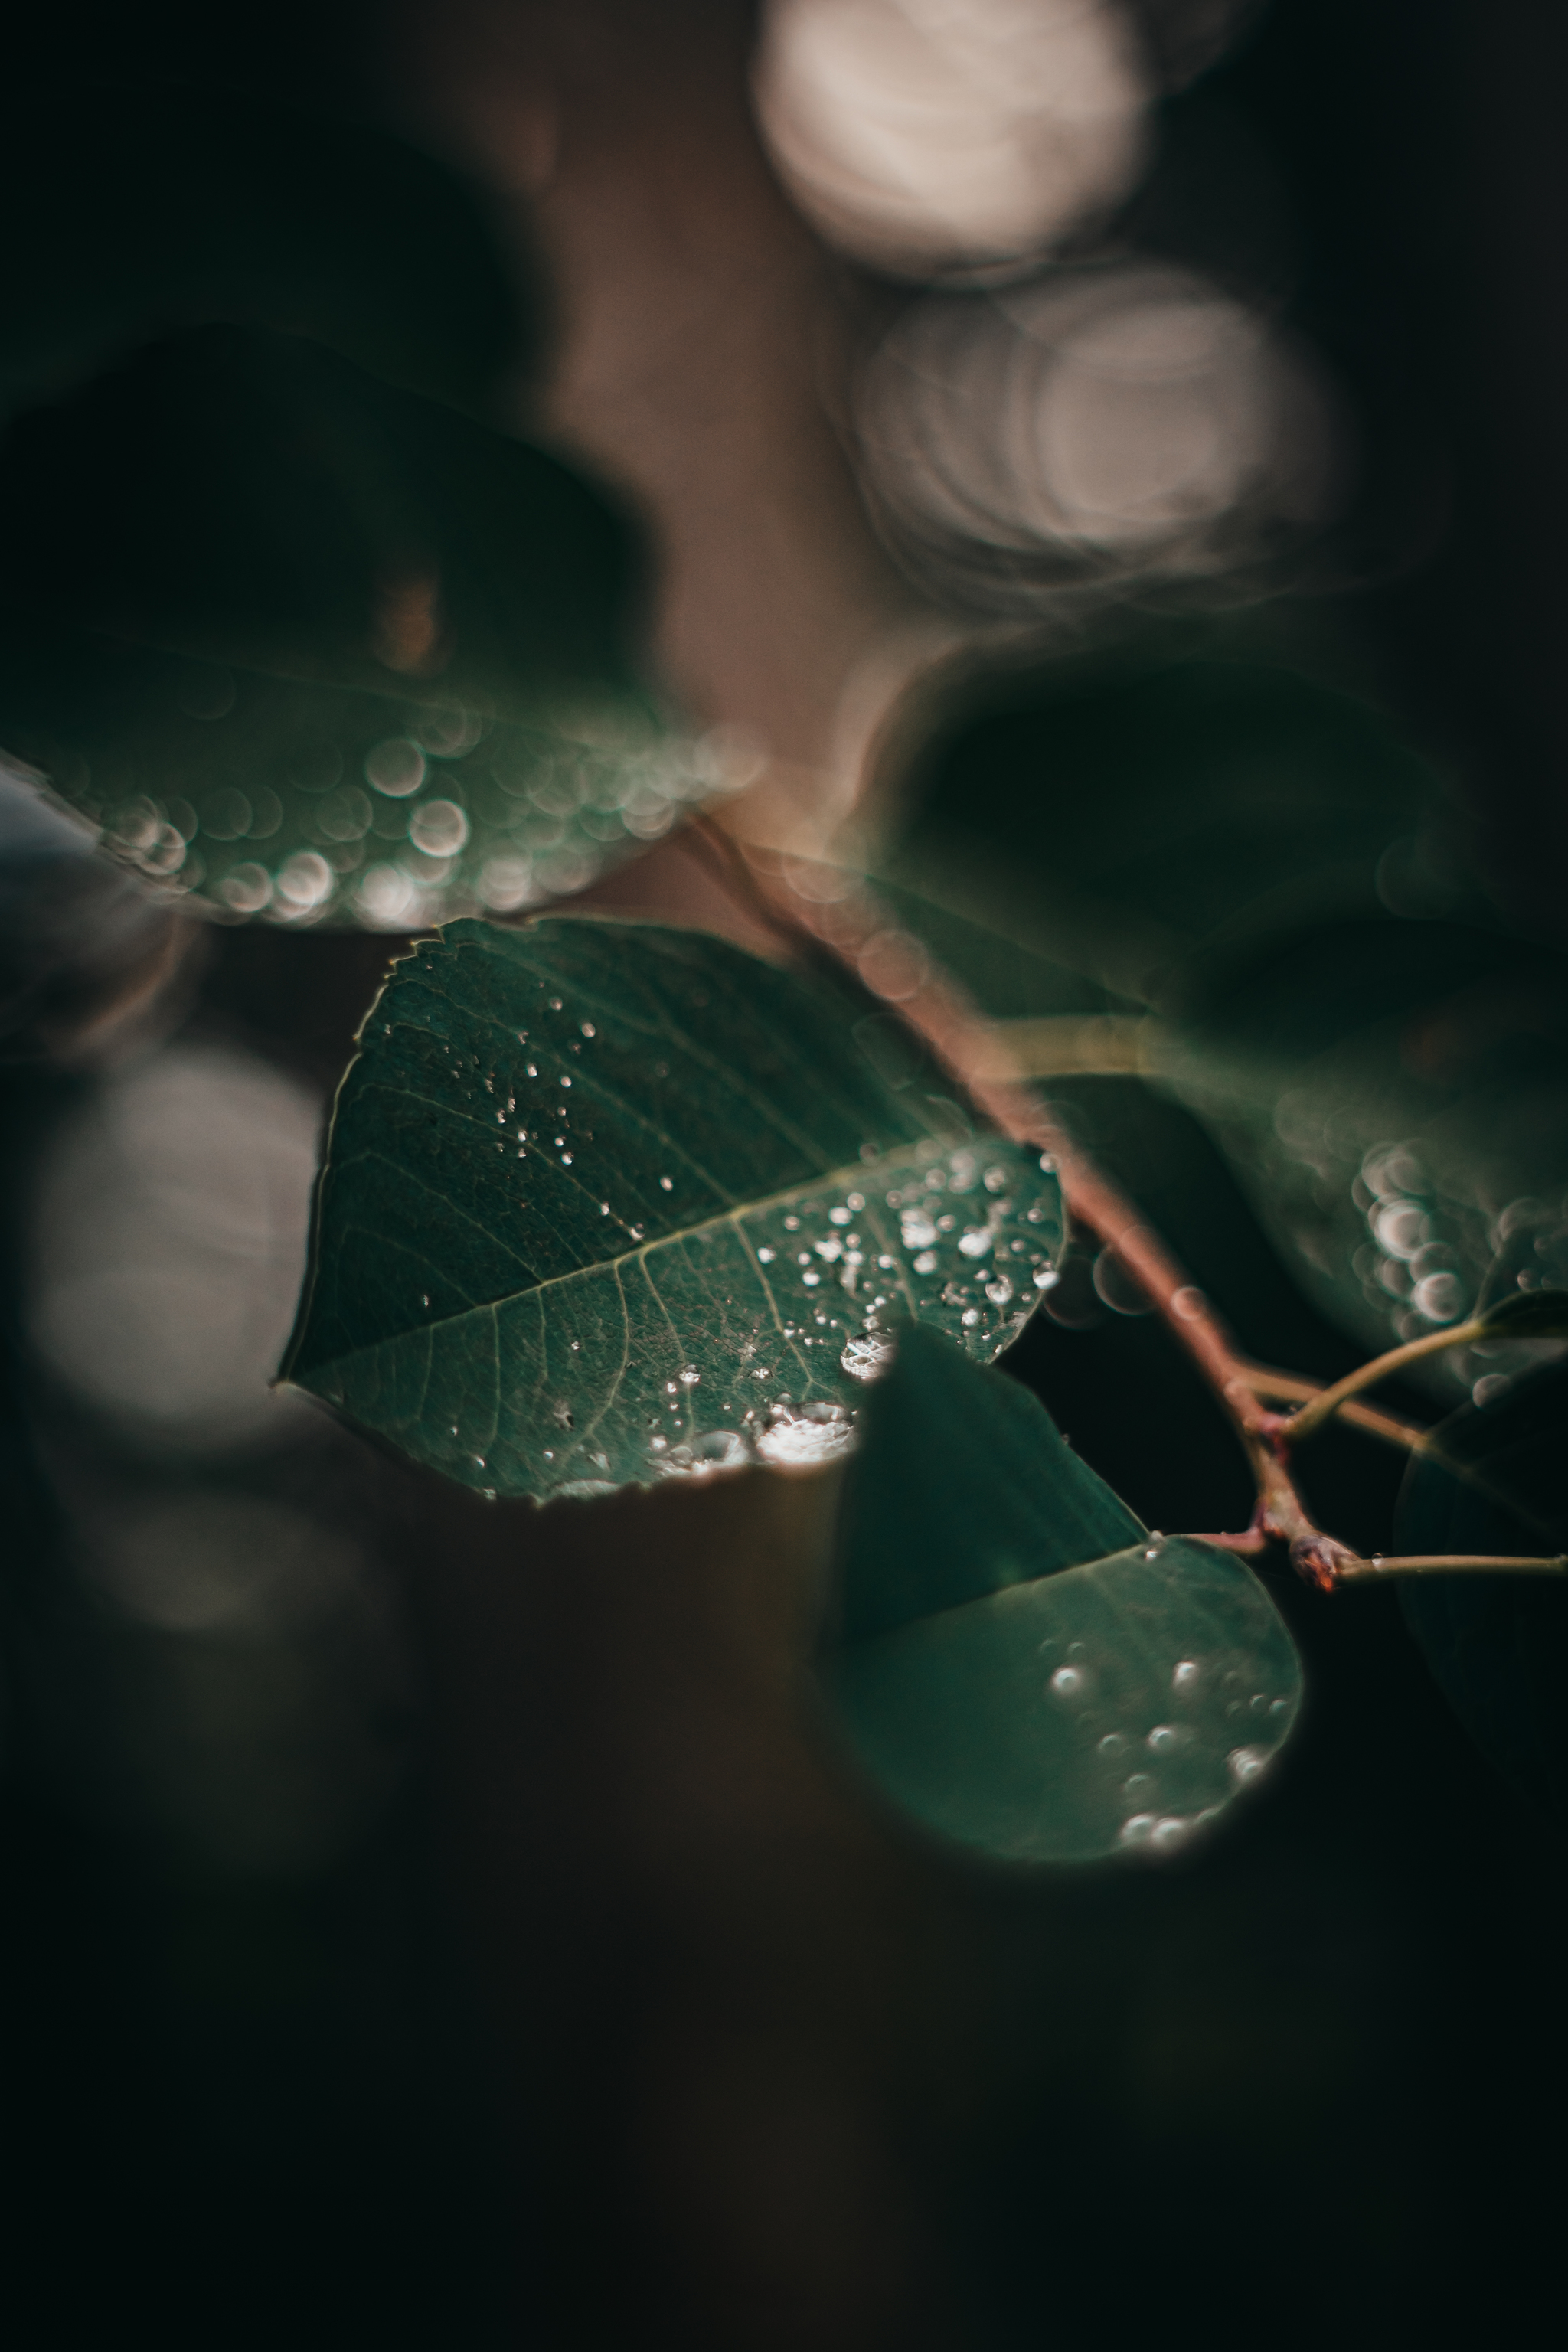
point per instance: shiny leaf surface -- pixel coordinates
(1015, 1662)
(605, 1202)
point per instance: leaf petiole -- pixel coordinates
(1364, 1571)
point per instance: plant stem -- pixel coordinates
(1291, 1388)
(1328, 1400)
(841, 916)
(1436, 1563)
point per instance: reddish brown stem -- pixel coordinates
(846, 918)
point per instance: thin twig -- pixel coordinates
(1291, 1388)
(1447, 1563)
(1328, 1400)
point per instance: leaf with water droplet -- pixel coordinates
(1489, 1480)
(1013, 1660)
(460, 1303)
(318, 727)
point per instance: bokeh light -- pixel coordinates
(934, 138)
(1097, 426)
(168, 1242)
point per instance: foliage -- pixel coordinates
(605, 1202)
(311, 634)
(1015, 1661)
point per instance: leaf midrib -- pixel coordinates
(640, 1251)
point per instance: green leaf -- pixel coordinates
(604, 1201)
(220, 555)
(1530, 1315)
(1017, 1664)
(124, 212)
(1259, 859)
(1145, 817)
(1491, 1482)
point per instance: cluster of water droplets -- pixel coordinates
(959, 1238)
(751, 1331)
(1405, 1236)
(393, 816)
(1165, 1744)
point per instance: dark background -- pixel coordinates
(630, 2024)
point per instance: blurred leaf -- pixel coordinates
(604, 1201)
(1017, 1664)
(1261, 861)
(1497, 1646)
(282, 536)
(129, 208)
(1143, 819)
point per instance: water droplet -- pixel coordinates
(970, 1317)
(560, 1413)
(855, 1202)
(588, 1029)
(1184, 1675)
(1169, 1830)
(1113, 1744)
(838, 1216)
(1281, 1707)
(999, 1292)
(811, 1280)
(690, 1376)
(1047, 1277)
(425, 1298)
(926, 1262)
(1247, 1763)
(1137, 1828)
(1164, 1738)
(766, 1256)
(792, 1224)
(916, 1230)
(1070, 1683)
(814, 1434)
(863, 1359)
(555, 1004)
(1137, 1786)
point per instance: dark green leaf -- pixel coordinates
(604, 1201)
(282, 534)
(1144, 820)
(126, 210)
(1017, 1664)
(1498, 1644)
(1260, 861)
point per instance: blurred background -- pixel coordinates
(434, 1925)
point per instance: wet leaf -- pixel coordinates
(1498, 1644)
(605, 1202)
(1015, 1662)
(315, 648)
